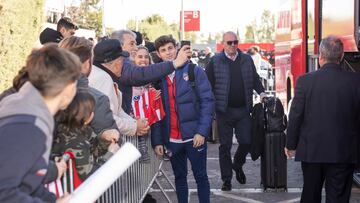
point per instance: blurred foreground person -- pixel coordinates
(27, 124)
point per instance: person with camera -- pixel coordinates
(133, 75)
(189, 107)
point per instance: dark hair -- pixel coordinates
(78, 111)
(66, 23)
(20, 78)
(139, 37)
(50, 69)
(79, 46)
(332, 49)
(163, 40)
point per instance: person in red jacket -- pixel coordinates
(146, 102)
(189, 113)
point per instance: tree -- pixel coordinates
(266, 29)
(191, 36)
(250, 34)
(263, 32)
(209, 40)
(218, 37)
(237, 33)
(88, 15)
(155, 26)
(21, 22)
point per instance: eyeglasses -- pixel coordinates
(235, 42)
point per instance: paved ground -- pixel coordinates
(251, 192)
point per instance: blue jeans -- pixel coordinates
(197, 156)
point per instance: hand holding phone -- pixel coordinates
(184, 42)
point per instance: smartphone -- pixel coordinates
(184, 42)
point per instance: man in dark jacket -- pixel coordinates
(65, 28)
(189, 111)
(133, 75)
(103, 123)
(233, 78)
(324, 126)
(27, 124)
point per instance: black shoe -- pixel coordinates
(240, 175)
(149, 199)
(226, 186)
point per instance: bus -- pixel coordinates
(301, 24)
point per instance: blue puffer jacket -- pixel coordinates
(218, 72)
(195, 106)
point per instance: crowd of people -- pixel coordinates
(74, 95)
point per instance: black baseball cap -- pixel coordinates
(108, 50)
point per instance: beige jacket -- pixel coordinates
(102, 81)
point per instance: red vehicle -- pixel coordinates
(301, 24)
(269, 47)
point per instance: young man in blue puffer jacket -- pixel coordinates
(189, 112)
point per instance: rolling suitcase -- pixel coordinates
(274, 162)
(273, 159)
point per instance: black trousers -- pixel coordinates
(240, 120)
(338, 182)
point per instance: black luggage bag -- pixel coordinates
(273, 158)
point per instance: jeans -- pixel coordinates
(197, 156)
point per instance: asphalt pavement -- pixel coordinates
(251, 192)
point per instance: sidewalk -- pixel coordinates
(251, 192)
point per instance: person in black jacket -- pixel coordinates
(324, 126)
(233, 78)
(65, 28)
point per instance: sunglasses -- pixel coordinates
(235, 42)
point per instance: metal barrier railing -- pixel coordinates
(134, 184)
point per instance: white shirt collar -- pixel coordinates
(171, 76)
(231, 58)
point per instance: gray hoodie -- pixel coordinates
(26, 127)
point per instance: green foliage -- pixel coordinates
(263, 32)
(191, 36)
(267, 27)
(249, 34)
(20, 27)
(88, 15)
(154, 26)
(218, 37)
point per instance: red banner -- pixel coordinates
(191, 21)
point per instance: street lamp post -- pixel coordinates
(182, 21)
(103, 18)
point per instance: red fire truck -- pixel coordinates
(301, 24)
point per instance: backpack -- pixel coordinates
(191, 74)
(275, 118)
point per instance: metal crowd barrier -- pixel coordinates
(135, 183)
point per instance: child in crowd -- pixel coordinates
(146, 102)
(73, 134)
